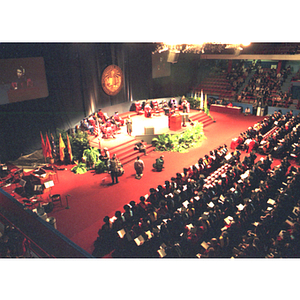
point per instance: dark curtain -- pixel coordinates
(73, 72)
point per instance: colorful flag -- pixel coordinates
(69, 149)
(205, 102)
(53, 146)
(61, 148)
(48, 147)
(43, 145)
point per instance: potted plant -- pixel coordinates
(91, 157)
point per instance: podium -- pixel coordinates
(175, 122)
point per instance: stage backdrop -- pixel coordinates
(73, 78)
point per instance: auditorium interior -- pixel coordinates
(232, 195)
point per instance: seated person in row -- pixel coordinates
(173, 103)
(148, 110)
(118, 120)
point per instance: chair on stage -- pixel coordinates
(56, 198)
(155, 107)
(148, 111)
(138, 108)
(108, 132)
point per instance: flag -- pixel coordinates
(61, 148)
(205, 103)
(43, 145)
(69, 149)
(201, 103)
(48, 147)
(97, 128)
(53, 145)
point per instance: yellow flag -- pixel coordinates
(61, 148)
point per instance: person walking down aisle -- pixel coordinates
(114, 169)
(139, 168)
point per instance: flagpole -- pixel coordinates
(43, 146)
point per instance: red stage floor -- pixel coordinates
(92, 196)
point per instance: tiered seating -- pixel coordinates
(216, 85)
(203, 118)
(219, 207)
(266, 85)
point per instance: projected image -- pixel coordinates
(22, 79)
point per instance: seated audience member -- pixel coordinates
(231, 212)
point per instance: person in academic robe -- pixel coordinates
(159, 163)
(113, 168)
(139, 168)
(147, 110)
(128, 123)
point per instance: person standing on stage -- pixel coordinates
(139, 168)
(184, 105)
(129, 125)
(114, 169)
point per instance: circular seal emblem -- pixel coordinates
(112, 80)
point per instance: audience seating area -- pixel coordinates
(14, 244)
(265, 86)
(252, 84)
(223, 206)
(217, 85)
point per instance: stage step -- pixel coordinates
(202, 117)
(126, 153)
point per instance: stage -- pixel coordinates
(142, 126)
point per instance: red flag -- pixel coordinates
(43, 145)
(69, 149)
(48, 147)
(61, 148)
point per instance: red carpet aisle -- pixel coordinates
(93, 196)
